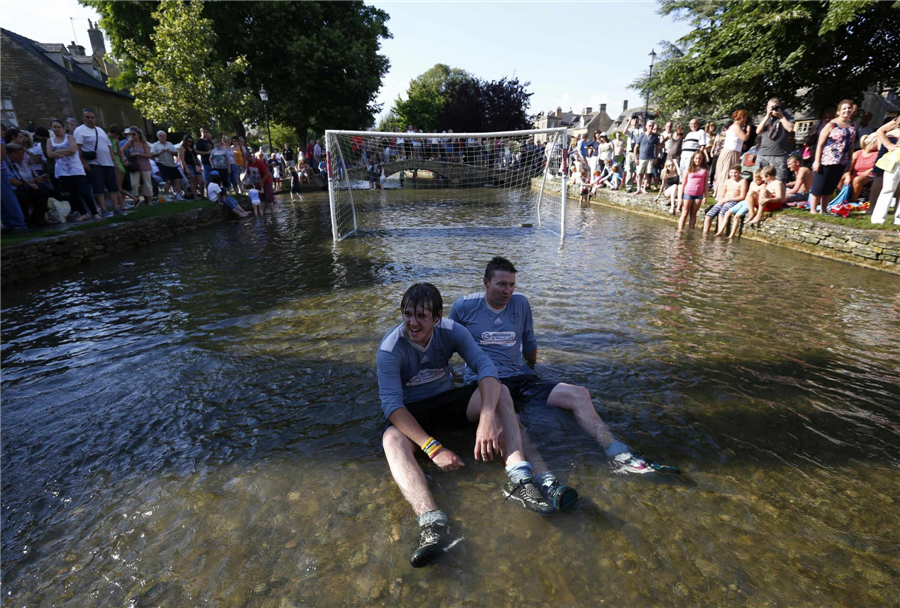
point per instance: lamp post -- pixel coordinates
(264, 95)
(649, 78)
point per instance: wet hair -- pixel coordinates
(769, 171)
(739, 115)
(423, 295)
(498, 263)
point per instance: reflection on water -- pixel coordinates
(196, 422)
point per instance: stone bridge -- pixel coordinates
(458, 174)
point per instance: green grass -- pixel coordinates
(856, 220)
(142, 212)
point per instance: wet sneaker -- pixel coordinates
(560, 497)
(529, 495)
(635, 464)
(432, 540)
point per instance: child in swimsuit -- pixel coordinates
(734, 190)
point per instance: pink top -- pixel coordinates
(695, 182)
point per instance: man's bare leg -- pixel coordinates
(577, 399)
(401, 457)
(508, 418)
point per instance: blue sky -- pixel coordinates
(574, 54)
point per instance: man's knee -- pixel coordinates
(394, 441)
(506, 401)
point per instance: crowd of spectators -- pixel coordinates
(685, 168)
(94, 174)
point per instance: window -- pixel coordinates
(9, 113)
(99, 114)
(125, 122)
(67, 63)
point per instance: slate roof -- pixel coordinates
(77, 76)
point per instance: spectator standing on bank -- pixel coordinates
(69, 170)
(693, 142)
(219, 161)
(240, 164)
(732, 146)
(646, 149)
(889, 186)
(775, 130)
(115, 138)
(673, 144)
(163, 152)
(633, 132)
(97, 154)
(138, 151)
(288, 156)
(190, 164)
(204, 146)
(318, 151)
(832, 159)
(311, 155)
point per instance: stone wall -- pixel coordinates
(41, 256)
(879, 249)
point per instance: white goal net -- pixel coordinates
(385, 181)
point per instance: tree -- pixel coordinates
(479, 105)
(446, 98)
(181, 84)
(809, 54)
(427, 97)
(319, 61)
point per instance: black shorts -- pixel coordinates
(528, 387)
(826, 180)
(444, 409)
(169, 173)
(102, 179)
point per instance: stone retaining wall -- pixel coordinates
(879, 249)
(40, 256)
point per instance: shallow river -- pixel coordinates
(196, 422)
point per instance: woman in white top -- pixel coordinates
(69, 170)
(730, 155)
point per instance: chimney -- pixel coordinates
(97, 44)
(559, 111)
(602, 108)
(75, 50)
(625, 106)
(586, 111)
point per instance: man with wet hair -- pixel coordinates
(500, 321)
(414, 383)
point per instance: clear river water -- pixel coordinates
(196, 422)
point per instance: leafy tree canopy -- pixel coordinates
(808, 53)
(319, 61)
(182, 84)
(445, 98)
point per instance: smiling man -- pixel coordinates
(414, 383)
(500, 322)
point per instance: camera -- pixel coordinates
(776, 108)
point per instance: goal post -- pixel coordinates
(515, 177)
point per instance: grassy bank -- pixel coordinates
(132, 215)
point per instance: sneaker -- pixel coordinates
(626, 463)
(107, 214)
(560, 497)
(98, 216)
(117, 212)
(529, 495)
(432, 540)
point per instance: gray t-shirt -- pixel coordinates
(776, 140)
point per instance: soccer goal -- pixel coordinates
(446, 180)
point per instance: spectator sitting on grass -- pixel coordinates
(748, 205)
(771, 197)
(731, 192)
(215, 194)
(671, 178)
(860, 174)
(614, 181)
(31, 197)
(798, 190)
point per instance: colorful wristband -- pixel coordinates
(431, 447)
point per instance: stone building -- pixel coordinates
(42, 81)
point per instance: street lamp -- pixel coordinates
(649, 78)
(264, 95)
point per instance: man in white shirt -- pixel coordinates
(97, 157)
(165, 153)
